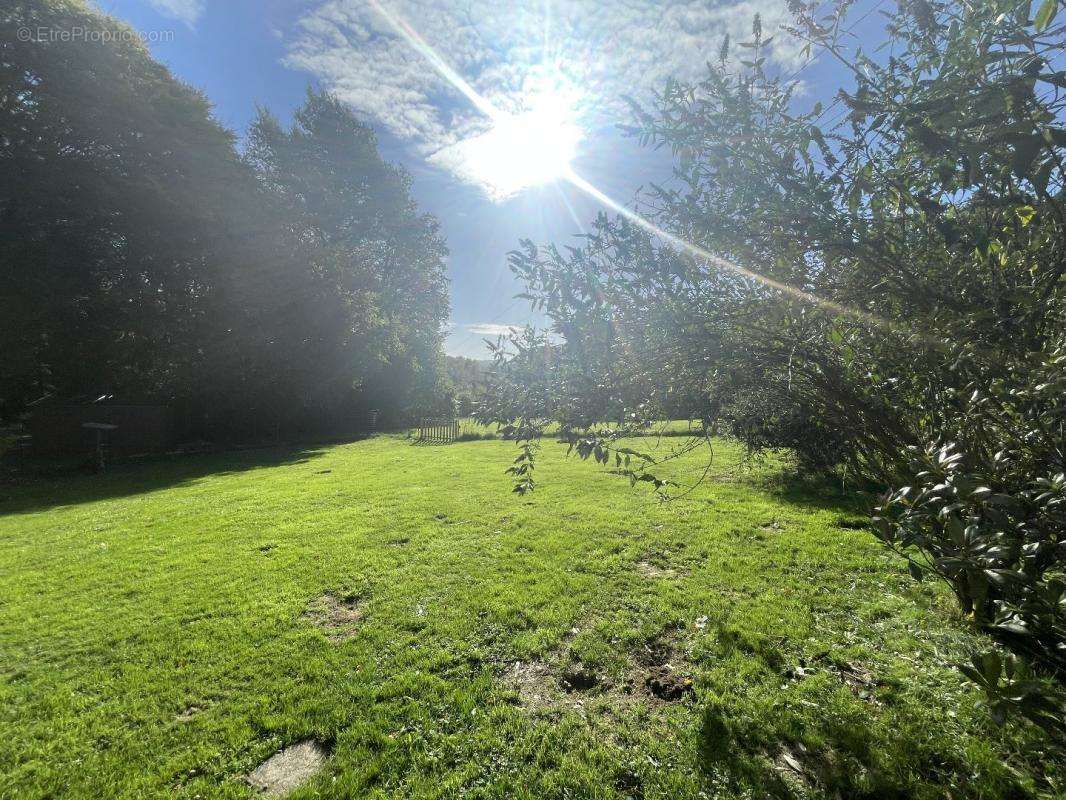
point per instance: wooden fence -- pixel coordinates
(438, 431)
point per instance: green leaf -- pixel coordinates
(1025, 214)
(991, 666)
(1045, 15)
(973, 674)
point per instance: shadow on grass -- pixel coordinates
(813, 751)
(818, 493)
(775, 765)
(25, 493)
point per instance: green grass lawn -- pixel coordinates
(165, 627)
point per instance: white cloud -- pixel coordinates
(491, 329)
(469, 339)
(515, 54)
(187, 11)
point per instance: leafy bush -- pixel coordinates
(985, 510)
(768, 417)
(1011, 689)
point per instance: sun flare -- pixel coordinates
(530, 148)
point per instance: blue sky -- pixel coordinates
(555, 70)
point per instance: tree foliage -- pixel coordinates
(113, 177)
(141, 254)
(876, 284)
(379, 296)
(468, 379)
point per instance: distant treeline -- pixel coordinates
(468, 379)
(292, 282)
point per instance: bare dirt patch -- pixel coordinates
(288, 770)
(579, 679)
(542, 686)
(660, 672)
(337, 616)
(665, 684)
(189, 714)
(536, 686)
(653, 571)
(657, 674)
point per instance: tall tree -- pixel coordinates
(141, 254)
(381, 289)
(113, 193)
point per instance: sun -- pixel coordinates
(531, 148)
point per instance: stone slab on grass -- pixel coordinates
(288, 770)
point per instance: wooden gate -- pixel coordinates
(438, 431)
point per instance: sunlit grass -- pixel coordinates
(154, 640)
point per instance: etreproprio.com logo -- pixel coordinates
(92, 35)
